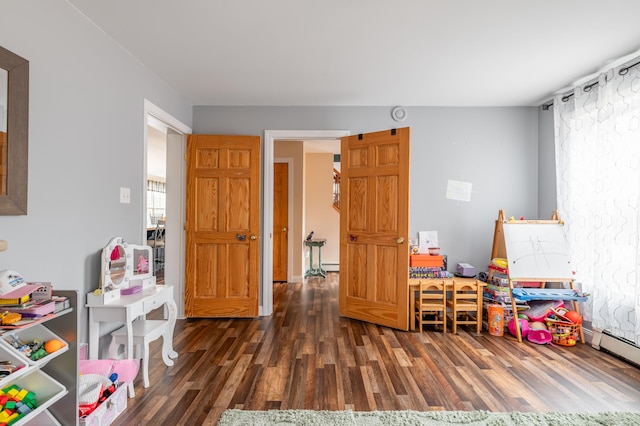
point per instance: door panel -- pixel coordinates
(374, 228)
(222, 227)
(280, 221)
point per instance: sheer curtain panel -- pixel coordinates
(597, 138)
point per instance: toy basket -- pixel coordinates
(564, 334)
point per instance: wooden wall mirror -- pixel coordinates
(14, 132)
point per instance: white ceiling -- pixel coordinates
(370, 52)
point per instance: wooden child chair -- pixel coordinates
(465, 304)
(430, 307)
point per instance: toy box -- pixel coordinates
(108, 411)
(465, 270)
(426, 260)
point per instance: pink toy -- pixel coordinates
(524, 327)
(540, 336)
(539, 309)
(143, 265)
(126, 369)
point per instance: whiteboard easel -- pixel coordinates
(536, 250)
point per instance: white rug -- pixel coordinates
(435, 418)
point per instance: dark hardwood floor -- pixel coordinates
(306, 356)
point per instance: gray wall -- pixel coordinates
(86, 130)
(547, 165)
(495, 149)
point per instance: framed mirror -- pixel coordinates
(114, 265)
(124, 265)
(14, 132)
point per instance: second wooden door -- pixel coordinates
(280, 221)
(374, 228)
(223, 225)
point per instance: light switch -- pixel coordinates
(125, 195)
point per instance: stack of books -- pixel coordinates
(37, 304)
(33, 308)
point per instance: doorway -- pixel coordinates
(174, 133)
(156, 214)
(266, 291)
(311, 166)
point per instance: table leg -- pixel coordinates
(412, 308)
(310, 270)
(320, 270)
(167, 339)
(479, 303)
(129, 355)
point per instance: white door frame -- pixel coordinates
(176, 185)
(270, 136)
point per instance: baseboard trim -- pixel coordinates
(621, 348)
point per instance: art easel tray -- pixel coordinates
(527, 294)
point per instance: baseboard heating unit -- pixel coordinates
(331, 267)
(603, 340)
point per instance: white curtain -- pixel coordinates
(597, 137)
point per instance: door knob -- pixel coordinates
(253, 237)
(284, 229)
(400, 240)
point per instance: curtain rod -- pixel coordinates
(588, 87)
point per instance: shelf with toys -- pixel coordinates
(39, 354)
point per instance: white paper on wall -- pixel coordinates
(427, 239)
(457, 190)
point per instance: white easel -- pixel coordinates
(536, 251)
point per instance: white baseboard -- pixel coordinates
(617, 346)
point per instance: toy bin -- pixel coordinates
(46, 390)
(107, 411)
(43, 418)
(35, 332)
(564, 334)
(20, 364)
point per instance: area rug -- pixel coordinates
(435, 418)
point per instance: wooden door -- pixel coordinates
(280, 221)
(222, 226)
(374, 228)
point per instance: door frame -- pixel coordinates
(265, 307)
(176, 151)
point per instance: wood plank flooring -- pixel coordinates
(306, 356)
